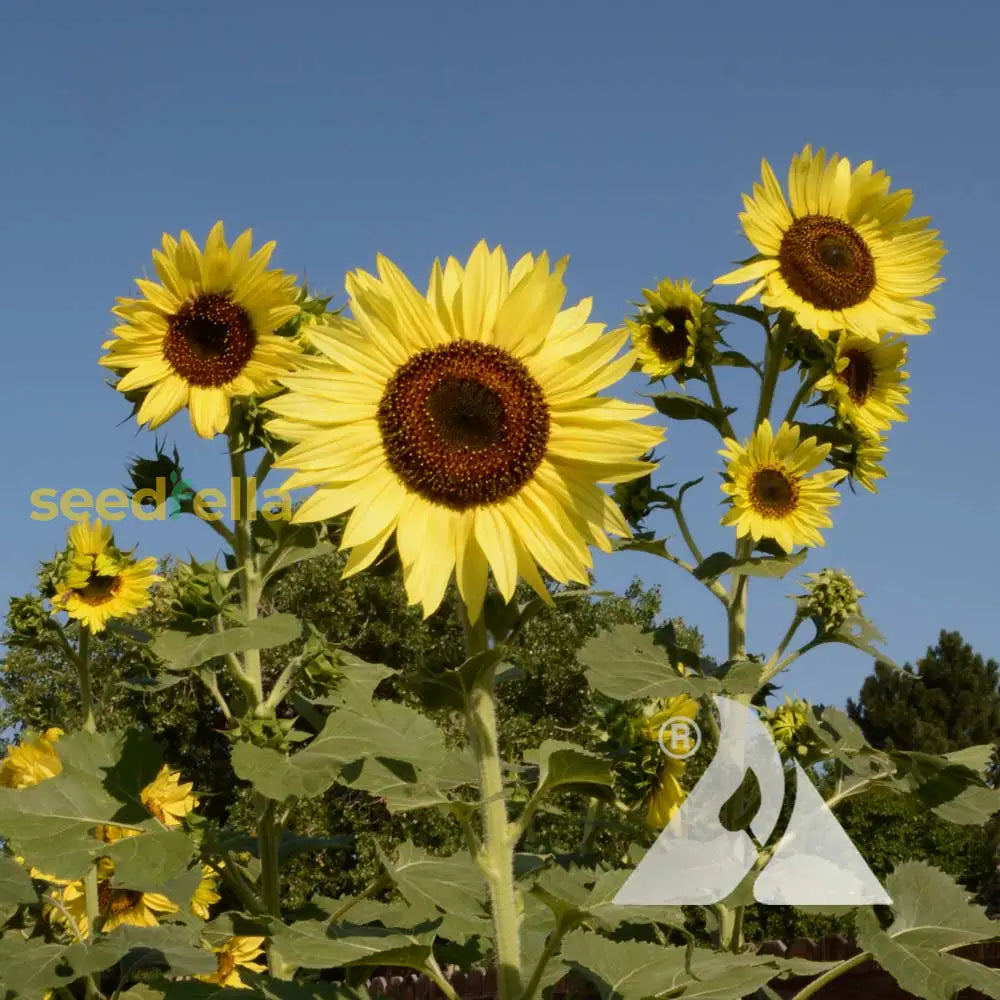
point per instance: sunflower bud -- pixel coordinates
(789, 724)
(27, 621)
(830, 599)
(196, 594)
(160, 476)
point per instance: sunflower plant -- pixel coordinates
(459, 436)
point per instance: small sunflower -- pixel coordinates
(866, 385)
(466, 416)
(665, 331)
(840, 253)
(206, 334)
(205, 895)
(118, 906)
(238, 952)
(31, 760)
(769, 489)
(868, 462)
(101, 583)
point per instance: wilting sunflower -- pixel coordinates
(840, 253)
(119, 906)
(206, 334)
(31, 760)
(769, 489)
(465, 422)
(205, 895)
(101, 583)
(665, 331)
(867, 384)
(238, 952)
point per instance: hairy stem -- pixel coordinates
(83, 669)
(499, 835)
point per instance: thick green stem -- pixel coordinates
(83, 669)
(499, 834)
(800, 396)
(830, 975)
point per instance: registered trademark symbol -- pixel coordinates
(679, 737)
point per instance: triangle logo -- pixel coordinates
(695, 860)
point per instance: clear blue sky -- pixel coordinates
(621, 134)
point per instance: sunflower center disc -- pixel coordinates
(672, 345)
(858, 376)
(209, 340)
(774, 494)
(826, 262)
(464, 424)
(99, 589)
(226, 964)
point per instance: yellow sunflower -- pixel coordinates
(31, 760)
(840, 253)
(667, 795)
(867, 383)
(206, 334)
(466, 417)
(205, 895)
(166, 799)
(238, 952)
(101, 583)
(769, 489)
(118, 906)
(868, 462)
(665, 332)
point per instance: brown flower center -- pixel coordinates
(227, 962)
(209, 340)
(773, 493)
(115, 902)
(858, 376)
(464, 424)
(99, 589)
(826, 262)
(671, 345)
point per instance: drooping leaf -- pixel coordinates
(181, 651)
(570, 768)
(679, 406)
(717, 563)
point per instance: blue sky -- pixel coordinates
(621, 134)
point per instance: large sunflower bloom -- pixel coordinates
(119, 906)
(665, 331)
(839, 254)
(206, 334)
(769, 489)
(238, 952)
(101, 583)
(31, 760)
(867, 383)
(465, 422)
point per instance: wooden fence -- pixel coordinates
(866, 982)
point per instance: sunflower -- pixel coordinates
(32, 760)
(119, 906)
(467, 417)
(101, 583)
(839, 254)
(867, 384)
(667, 795)
(868, 462)
(770, 493)
(206, 334)
(205, 895)
(665, 331)
(165, 798)
(238, 952)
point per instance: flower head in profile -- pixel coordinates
(866, 386)
(666, 795)
(665, 332)
(840, 253)
(240, 952)
(99, 583)
(166, 798)
(205, 334)
(31, 760)
(468, 416)
(770, 491)
(205, 896)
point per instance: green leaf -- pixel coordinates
(625, 663)
(181, 651)
(935, 780)
(743, 677)
(160, 682)
(860, 633)
(971, 807)
(717, 563)
(977, 758)
(316, 944)
(679, 406)
(747, 312)
(16, 888)
(570, 768)
(733, 359)
(168, 946)
(361, 678)
(450, 688)
(825, 434)
(452, 885)
(148, 861)
(30, 968)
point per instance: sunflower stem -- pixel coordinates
(83, 669)
(831, 974)
(499, 835)
(801, 394)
